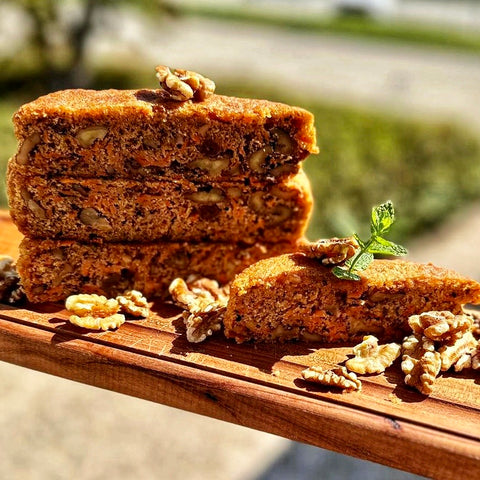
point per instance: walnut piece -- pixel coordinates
(214, 195)
(133, 303)
(183, 85)
(98, 323)
(371, 357)
(440, 326)
(474, 314)
(420, 363)
(205, 303)
(11, 292)
(451, 353)
(257, 159)
(213, 166)
(283, 144)
(331, 251)
(92, 218)
(27, 146)
(337, 377)
(87, 136)
(469, 360)
(93, 305)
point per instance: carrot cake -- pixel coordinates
(144, 134)
(51, 270)
(130, 210)
(296, 297)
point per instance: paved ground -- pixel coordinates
(403, 79)
(55, 429)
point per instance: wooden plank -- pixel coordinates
(258, 386)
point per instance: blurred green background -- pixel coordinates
(429, 167)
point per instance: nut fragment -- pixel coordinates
(205, 304)
(332, 251)
(27, 146)
(337, 377)
(420, 363)
(474, 314)
(451, 353)
(441, 326)
(85, 304)
(257, 202)
(87, 136)
(36, 209)
(282, 143)
(213, 166)
(11, 292)
(257, 159)
(92, 218)
(469, 360)
(371, 357)
(98, 323)
(214, 195)
(278, 215)
(182, 85)
(133, 303)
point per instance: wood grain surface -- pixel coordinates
(258, 386)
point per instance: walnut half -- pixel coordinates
(330, 251)
(204, 302)
(371, 357)
(338, 377)
(183, 85)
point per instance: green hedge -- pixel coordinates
(428, 170)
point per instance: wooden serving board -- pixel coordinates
(258, 386)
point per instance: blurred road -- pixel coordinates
(399, 78)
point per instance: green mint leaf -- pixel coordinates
(381, 246)
(361, 261)
(383, 217)
(360, 242)
(344, 274)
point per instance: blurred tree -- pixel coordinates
(60, 31)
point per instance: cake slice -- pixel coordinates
(295, 297)
(130, 210)
(143, 134)
(51, 270)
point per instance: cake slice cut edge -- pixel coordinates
(294, 297)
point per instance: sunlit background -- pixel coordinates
(395, 88)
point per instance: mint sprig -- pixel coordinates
(382, 219)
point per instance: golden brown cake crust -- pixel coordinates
(140, 134)
(291, 297)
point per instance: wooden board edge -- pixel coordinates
(365, 435)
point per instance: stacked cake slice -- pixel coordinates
(129, 189)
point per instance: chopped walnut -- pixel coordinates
(183, 85)
(98, 323)
(450, 354)
(205, 304)
(332, 251)
(420, 363)
(475, 316)
(133, 303)
(91, 305)
(337, 377)
(371, 357)
(11, 291)
(442, 326)
(469, 360)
